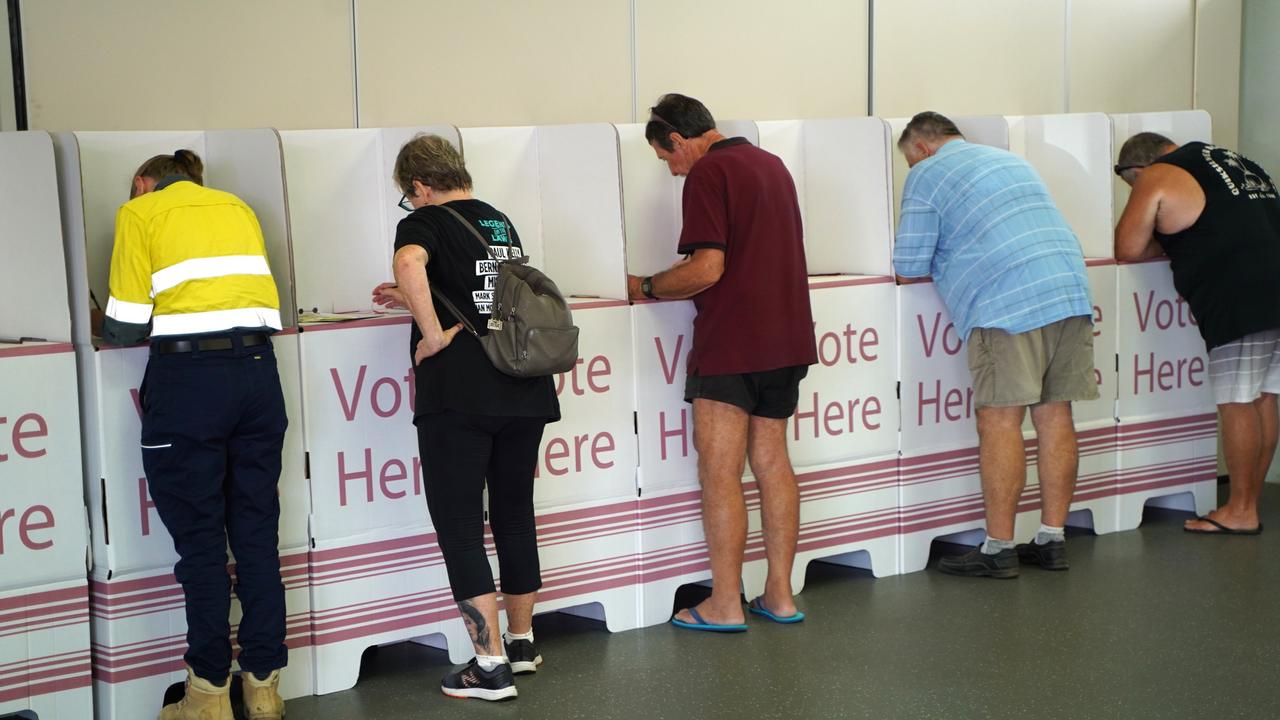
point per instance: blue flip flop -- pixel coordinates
(757, 607)
(700, 624)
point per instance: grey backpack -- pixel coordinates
(530, 331)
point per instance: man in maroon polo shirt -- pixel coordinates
(752, 344)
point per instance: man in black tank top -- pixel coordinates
(1216, 214)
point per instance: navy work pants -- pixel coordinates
(212, 432)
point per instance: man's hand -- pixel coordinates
(633, 288)
(389, 296)
(912, 280)
(96, 320)
(1165, 199)
(430, 345)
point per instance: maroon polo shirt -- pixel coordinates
(742, 200)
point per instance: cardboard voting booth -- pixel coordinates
(378, 575)
(939, 489)
(843, 437)
(1072, 154)
(672, 549)
(44, 614)
(941, 493)
(841, 168)
(561, 187)
(1168, 425)
(137, 607)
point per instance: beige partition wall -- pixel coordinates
(758, 59)
(1260, 101)
(493, 62)
(997, 57)
(1132, 55)
(6, 73)
(154, 64)
(1219, 30)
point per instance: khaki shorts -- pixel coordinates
(1049, 364)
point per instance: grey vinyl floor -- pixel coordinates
(1154, 623)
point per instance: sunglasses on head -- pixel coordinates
(1120, 169)
(653, 115)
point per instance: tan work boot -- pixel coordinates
(262, 697)
(202, 701)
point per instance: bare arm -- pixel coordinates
(686, 278)
(410, 268)
(1166, 199)
(1135, 233)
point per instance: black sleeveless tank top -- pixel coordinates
(1227, 264)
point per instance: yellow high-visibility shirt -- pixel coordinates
(191, 260)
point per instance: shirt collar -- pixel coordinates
(168, 180)
(728, 143)
(951, 146)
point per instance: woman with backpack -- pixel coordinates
(475, 423)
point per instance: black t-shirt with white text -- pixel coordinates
(1227, 264)
(461, 377)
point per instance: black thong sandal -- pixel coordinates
(1222, 529)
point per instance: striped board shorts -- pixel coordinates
(1243, 369)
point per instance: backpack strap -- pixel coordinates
(476, 233)
(511, 239)
(488, 253)
(453, 309)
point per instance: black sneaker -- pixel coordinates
(976, 563)
(523, 655)
(473, 681)
(1050, 556)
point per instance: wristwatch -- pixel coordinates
(646, 287)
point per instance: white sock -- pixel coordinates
(1048, 534)
(489, 662)
(992, 546)
(509, 636)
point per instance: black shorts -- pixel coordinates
(771, 394)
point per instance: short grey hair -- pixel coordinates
(1143, 149)
(929, 126)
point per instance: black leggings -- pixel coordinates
(459, 452)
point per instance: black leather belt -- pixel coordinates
(164, 347)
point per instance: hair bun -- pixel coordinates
(189, 164)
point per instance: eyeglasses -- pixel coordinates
(1120, 169)
(404, 203)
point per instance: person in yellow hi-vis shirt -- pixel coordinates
(189, 269)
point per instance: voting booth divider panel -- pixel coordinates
(1168, 425)
(136, 606)
(374, 546)
(44, 534)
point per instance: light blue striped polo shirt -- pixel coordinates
(981, 222)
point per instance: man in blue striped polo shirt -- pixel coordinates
(981, 223)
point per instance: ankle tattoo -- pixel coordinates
(476, 626)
